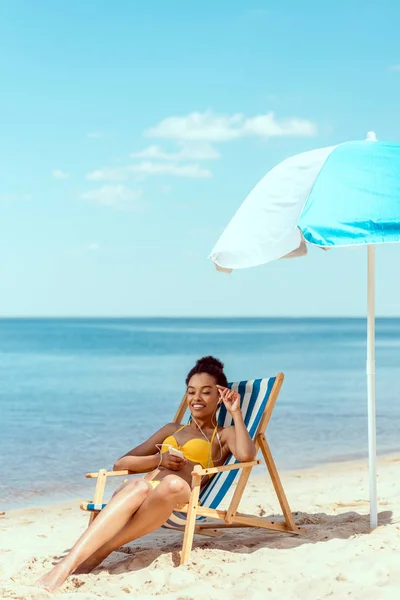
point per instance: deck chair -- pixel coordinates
(257, 399)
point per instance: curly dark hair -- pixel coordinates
(212, 366)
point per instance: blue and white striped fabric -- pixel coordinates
(94, 507)
(338, 196)
(254, 396)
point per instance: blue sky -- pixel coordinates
(129, 137)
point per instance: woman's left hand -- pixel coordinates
(230, 398)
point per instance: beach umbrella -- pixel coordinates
(334, 197)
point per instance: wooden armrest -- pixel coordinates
(108, 474)
(213, 470)
(210, 471)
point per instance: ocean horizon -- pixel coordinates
(78, 392)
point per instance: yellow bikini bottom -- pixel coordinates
(154, 483)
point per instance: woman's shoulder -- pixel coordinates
(225, 432)
(171, 428)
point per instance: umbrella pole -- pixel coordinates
(371, 388)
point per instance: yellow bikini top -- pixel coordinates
(197, 451)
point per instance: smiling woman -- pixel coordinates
(168, 456)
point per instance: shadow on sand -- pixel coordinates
(317, 527)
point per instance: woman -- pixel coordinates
(141, 506)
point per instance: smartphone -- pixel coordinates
(176, 452)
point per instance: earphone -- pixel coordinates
(217, 436)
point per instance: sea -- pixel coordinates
(76, 394)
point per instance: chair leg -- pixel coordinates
(276, 481)
(208, 532)
(98, 492)
(191, 519)
(237, 495)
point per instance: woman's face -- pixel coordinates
(202, 395)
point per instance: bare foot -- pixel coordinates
(92, 562)
(87, 566)
(54, 578)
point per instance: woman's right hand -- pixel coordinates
(173, 463)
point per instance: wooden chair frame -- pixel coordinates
(229, 518)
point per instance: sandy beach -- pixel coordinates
(336, 557)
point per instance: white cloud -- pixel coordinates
(268, 126)
(193, 135)
(117, 196)
(187, 152)
(394, 68)
(95, 135)
(198, 127)
(208, 127)
(149, 168)
(59, 174)
(108, 174)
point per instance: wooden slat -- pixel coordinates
(180, 413)
(223, 526)
(212, 513)
(108, 473)
(191, 516)
(263, 524)
(276, 482)
(203, 530)
(243, 520)
(208, 531)
(271, 403)
(98, 492)
(213, 470)
(237, 495)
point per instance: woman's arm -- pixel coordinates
(237, 437)
(238, 440)
(146, 457)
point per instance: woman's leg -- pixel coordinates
(153, 513)
(106, 525)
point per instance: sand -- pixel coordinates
(336, 557)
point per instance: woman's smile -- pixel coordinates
(198, 405)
